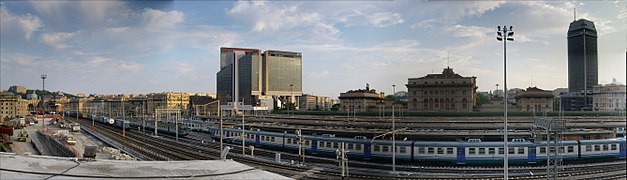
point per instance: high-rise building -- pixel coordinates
(582, 63)
(282, 72)
(247, 64)
(272, 75)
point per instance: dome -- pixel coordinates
(32, 96)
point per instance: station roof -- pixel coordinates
(46, 167)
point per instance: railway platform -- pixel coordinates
(15, 166)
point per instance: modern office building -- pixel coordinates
(447, 91)
(247, 64)
(582, 63)
(273, 75)
(283, 75)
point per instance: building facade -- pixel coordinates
(310, 102)
(247, 64)
(610, 97)
(582, 62)
(534, 99)
(442, 92)
(17, 89)
(282, 74)
(12, 105)
(361, 100)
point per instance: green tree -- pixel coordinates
(481, 98)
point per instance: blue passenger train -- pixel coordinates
(475, 152)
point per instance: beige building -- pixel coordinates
(17, 89)
(534, 99)
(310, 102)
(75, 105)
(12, 105)
(361, 100)
(442, 92)
(609, 97)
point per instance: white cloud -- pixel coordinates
(385, 19)
(469, 31)
(24, 24)
(57, 39)
(263, 18)
(157, 19)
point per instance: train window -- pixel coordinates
(521, 150)
(481, 151)
(430, 150)
(402, 149)
(321, 144)
(421, 150)
(385, 149)
(449, 150)
(358, 147)
(542, 150)
(597, 148)
(511, 151)
(440, 150)
(272, 139)
(289, 141)
(335, 145)
(377, 148)
(571, 149)
(613, 147)
(501, 151)
(491, 151)
(307, 143)
(605, 148)
(350, 146)
(588, 147)
(329, 145)
(471, 150)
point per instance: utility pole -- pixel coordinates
(393, 131)
(505, 35)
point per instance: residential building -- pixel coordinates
(534, 99)
(12, 105)
(609, 97)
(447, 91)
(17, 89)
(582, 63)
(557, 94)
(361, 100)
(76, 105)
(310, 102)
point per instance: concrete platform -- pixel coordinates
(15, 166)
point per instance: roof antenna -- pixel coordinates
(448, 59)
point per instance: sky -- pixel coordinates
(116, 47)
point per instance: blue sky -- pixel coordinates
(139, 47)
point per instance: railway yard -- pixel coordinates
(143, 145)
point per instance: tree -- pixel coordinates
(481, 98)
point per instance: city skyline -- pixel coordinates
(128, 47)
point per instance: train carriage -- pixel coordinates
(494, 152)
(608, 148)
(435, 151)
(570, 150)
(382, 150)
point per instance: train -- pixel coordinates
(474, 152)
(162, 127)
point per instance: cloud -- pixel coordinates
(57, 39)
(469, 31)
(279, 18)
(22, 24)
(157, 19)
(385, 19)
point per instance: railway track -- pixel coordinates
(166, 148)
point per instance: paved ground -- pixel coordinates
(46, 167)
(82, 139)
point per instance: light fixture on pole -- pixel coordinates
(504, 34)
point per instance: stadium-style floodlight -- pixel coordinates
(509, 36)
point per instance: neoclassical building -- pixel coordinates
(442, 92)
(609, 97)
(535, 100)
(361, 100)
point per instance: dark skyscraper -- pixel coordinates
(582, 64)
(582, 56)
